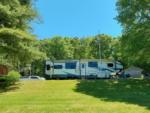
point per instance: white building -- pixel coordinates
(134, 72)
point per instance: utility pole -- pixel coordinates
(100, 47)
(100, 51)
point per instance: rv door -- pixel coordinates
(49, 68)
(83, 70)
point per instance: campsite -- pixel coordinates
(74, 56)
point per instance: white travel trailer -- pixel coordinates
(87, 68)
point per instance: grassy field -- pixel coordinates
(73, 96)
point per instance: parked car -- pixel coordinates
(32, 78)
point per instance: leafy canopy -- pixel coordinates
(134, 15)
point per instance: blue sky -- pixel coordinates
(73, 18)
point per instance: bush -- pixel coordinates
(3, 82)
(10, 79)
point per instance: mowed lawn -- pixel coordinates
(74, 96)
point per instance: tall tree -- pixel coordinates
(134, 15)
(15, 41)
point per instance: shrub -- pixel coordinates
(3, 82)
(13, 76)
(10, 79)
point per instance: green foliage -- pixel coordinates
(132, 12)
(38, 67)
(3, 82)
(76, 48)
(16, 14)
(10, 79)
(116, 49)
(13, 76)
(101, 46)
(17, 46)
(16, 43)
(134, 15)
(58, 50)
(137, 49)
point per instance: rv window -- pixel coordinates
(83, 66)
(58, 66)
(93, 64)
(110, 64)
(48, 67)
(34, 77)
(70, 65)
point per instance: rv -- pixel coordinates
(85, 68)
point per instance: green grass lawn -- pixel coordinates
(73, 96)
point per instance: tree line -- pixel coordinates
(58, 47)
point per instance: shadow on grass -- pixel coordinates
(129, 91)
(10, 88)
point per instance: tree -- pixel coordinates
(134, 15)
(58, 46)
(136, 45)
(116, 48)
(16, 43)
(16, 14)
(81, 47)
(133, 12)
(101, 46)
